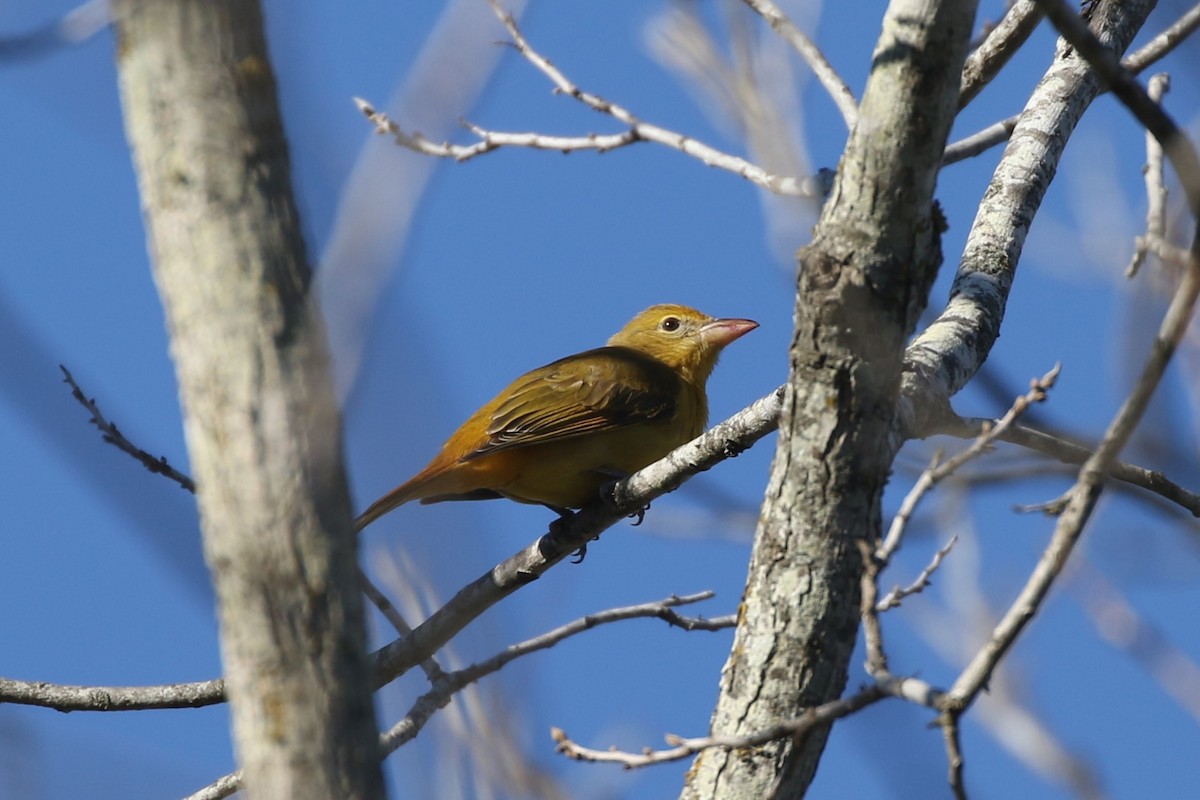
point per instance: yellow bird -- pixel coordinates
(556, 435)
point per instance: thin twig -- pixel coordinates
(433, 671)
(1081, 502)
(1156, 190)
(938, 472)
(1162, 44)
(838, 91)
(910, 689)
(681, 748)
(1070, 453)
(1082, 498)
(453, 682)
(923, 579)
(67, 698)
(954, 757)
(113, 436)
(877, 664)
(637, 131)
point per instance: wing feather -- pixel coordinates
(597, 390)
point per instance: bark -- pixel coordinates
(862, 283)
(262, 426)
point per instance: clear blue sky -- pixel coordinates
(513, 260)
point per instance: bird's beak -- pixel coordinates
(721, 332)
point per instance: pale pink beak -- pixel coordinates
(723, 331)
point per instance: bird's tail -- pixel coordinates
(411, 489)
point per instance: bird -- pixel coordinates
(559, 433)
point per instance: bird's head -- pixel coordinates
(682, 338)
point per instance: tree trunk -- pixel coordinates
(262, 426)
(862, 283)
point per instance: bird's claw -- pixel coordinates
(640, 515)
(557, 530)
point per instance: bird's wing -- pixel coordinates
(597, 390)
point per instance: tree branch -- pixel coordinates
(1121, 82)
(113, 436)
(1071, 453)
(1001, 44)
(637, 131)
(1156, 190)
(441, 693)
(1082, 497)
(684, 748)
(61, 697)
(948, 353)
(989, 432)
(1152, 52)
(837, 89)
(450, 683)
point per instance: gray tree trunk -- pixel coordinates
(262, 426)
(862, 283)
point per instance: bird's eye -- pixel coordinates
(669, 324)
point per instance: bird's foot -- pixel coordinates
(609, 495)
(557, 529)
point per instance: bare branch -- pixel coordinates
(897, 594)
(1156, 190)
(983, 443)
(726, 440)
(453, 682)
(637, 131)
(1153, 51)
(948, 353)
(219, 789)
(913, 690)
(114, 437)
(877, 665)
(1081, 499)
(1162, 44)
(1069, 452)
(160, 466)
(838, 91)
(112, 698)
(684, 748)
(954, 757)
(433, 671)
(1001, 44)
(980, 141)
(1121, 82)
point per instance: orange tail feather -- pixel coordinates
(412, 489)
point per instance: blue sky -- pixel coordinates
(510, 261)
